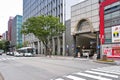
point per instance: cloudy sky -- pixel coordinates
(9, 8)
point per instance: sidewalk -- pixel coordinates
(62, 57)
(116, 62)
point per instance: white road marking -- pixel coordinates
(59, 79)
(104, 74)
(106, 71)
(74, 77)
(92, 76)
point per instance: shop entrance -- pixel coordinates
(86, 42)
(86, 39)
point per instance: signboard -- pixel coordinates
(107, 51)
(111, 50)
(116, 34)
(116, 50)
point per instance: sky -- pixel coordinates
(14, 7)
(9, 8)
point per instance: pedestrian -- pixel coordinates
(78, 54)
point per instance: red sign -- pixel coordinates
(116, 51)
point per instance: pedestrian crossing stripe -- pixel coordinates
(74, 77)
(93, 76)
(3, 59)
(105, 73)
(59, 79)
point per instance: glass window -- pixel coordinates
(116, 14)
(108, 35)
(108, 16)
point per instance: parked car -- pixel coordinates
(28, 54)
(7, 53)
(11, 53)
(18, 54)
(0, 53)
(86, 52)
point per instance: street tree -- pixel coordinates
(4, 44)
(43, 27)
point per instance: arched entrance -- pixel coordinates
(85, 37)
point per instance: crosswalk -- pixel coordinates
(104, 73)
(10, 58)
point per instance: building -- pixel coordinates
(95, 24)
(58, 8)
(110, 27)
(16, 39)
(5, 35)
(10, 28)
(85, 25)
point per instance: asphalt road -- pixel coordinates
(45, 68)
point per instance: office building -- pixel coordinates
(10, 28)
(16, 39)
(58, 8)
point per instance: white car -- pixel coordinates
(28, 54)
(86, 52)
(17, 54)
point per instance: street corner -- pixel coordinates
(106, 62)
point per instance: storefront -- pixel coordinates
(110, 27)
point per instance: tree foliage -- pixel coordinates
(43, 27)
(4, 44)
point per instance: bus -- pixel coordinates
(27, 51)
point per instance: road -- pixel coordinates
(45, 68)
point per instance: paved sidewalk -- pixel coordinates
(63, 57)
(116, 62)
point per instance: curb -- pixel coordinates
(112, 63)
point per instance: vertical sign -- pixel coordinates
(116, 34)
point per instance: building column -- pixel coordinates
(58, 50)
(63, 44)
(38, 47)
(42, 47)
(74, 42)
(98, 45)
(33, 45)
(53, 48)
